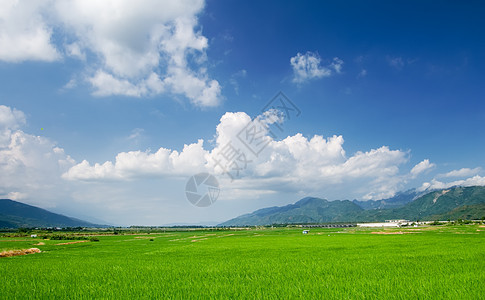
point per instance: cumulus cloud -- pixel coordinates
(139, 164)
(463, 172)
(33, 168)
(421, 167)
(436, 184)
(295, 162)
(29, 164)
(25, 33)
(11, 118)
(135, 49)
(308, 66)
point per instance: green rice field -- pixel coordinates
(435, 262)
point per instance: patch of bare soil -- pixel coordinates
(19, 252)
(69, 243)
(198, 240)
(392, 232)
(224, 235)
(39, 244)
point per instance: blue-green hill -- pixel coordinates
(453, 203)
(15, 214)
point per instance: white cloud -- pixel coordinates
(421, 167)
(136, 49)
(476, 180)
(399, 63)
(143, 47)
(145, 187)
(29, 165)
(106, 85)
(396, 62)
(11, 118)
(135, 134)
(234, 79)
(139, 164)
(16, 196)
(76, 51)
(307, 66)
(24, 32)
(296, 163)
(199, 90)
(463, 172)
(337, 64)
(362, 73)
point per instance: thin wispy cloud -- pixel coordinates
(463, 172)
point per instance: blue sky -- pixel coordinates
(99, 99)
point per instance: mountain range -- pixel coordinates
(15, 214)
(400, 199)
(453, 203)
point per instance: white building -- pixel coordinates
(384, 224)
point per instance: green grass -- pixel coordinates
(445, 262)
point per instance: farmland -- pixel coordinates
(435, 262)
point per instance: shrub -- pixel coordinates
(66, 237)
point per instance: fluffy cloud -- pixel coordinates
(134, 49)
(29, 165)
(472, 174)
(295, 162)
(436, 184)
(11, 118)
(138, 164)
(463, 172)
(24, 32)
(144, 187)
(307, 66)
(423, 166)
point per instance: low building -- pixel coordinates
(382, 224)
(397, 221)
(387, 223)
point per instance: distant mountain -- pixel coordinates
(307, 210)
(458, 202)
(14, 214)
(465, 212)
(399, 200)
(443, 203)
